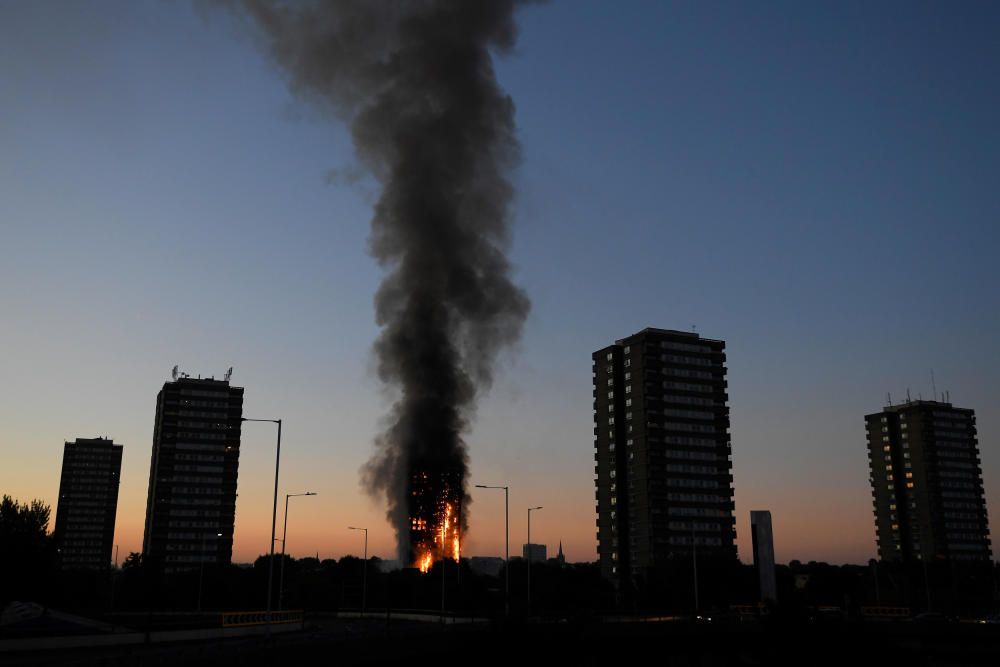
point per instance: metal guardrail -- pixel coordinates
(242, 619)
(885, 612)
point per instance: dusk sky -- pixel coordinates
(817, 184)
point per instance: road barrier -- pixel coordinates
(885, 613)
(242, 619)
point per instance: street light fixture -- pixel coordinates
(284, 537)
(530, 510)
(506, 512)
(274, 517)
(364, 573)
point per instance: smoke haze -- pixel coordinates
(415, 82)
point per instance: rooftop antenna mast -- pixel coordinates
(933, 385)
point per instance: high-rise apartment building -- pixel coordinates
(661, 434)
(191, 505)
(927, 483)
(88, 502)
(762, 539)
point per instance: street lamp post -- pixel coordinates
(530, 510)
(201, 564)
(112, 601)
(506, 512)
(274, 518)
(364, 573)
(694, 565)
(284, 538)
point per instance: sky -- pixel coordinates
(817, 184)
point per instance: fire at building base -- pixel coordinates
(435, 518)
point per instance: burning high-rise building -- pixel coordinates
(414, 80)
(435, 518)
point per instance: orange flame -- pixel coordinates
(446, 539)
(425, 562)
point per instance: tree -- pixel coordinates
(132, 561)
(23, 522)
(25, 547)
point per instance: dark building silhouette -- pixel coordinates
(84, 532)
(661, 435)
(191, 505)
(560, 557)
(927, 484)
(537, 553)
(487, 565)
(762, 538)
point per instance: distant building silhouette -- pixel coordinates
(927, 483)
(488, 565)
(560, 557)
(537, 552)
(192, 475)
(84, 532)
(762, 537)
(661, 435)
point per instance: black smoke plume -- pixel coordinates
(415, 81)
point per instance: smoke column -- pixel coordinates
(414, 79)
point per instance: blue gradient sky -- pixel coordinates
(816, 183)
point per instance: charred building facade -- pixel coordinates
(191, 505)
(662, 452)
(436, 500)
(927, 483)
